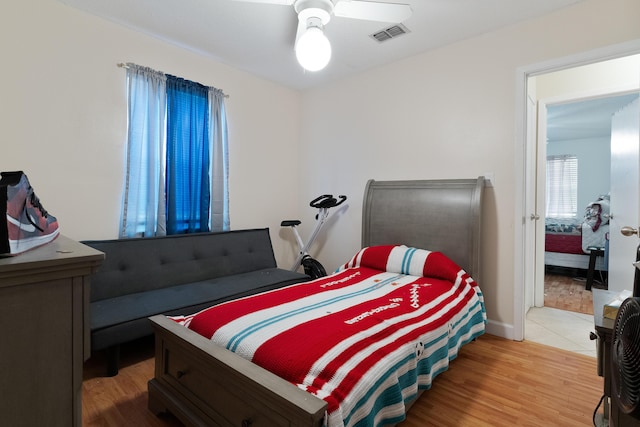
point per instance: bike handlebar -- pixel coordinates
(327, 201)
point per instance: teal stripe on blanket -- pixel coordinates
(236, 339)
(476, 310)
(393, 395)
(430, 366)
(406, 261)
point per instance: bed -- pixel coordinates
(563, 244)
(204, 383)
(568, 240)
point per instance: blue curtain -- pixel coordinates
(177, 166)
(143, 205)
(187, 168)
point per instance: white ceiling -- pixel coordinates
(584, 119)
(258, 37)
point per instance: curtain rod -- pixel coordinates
(126, 66)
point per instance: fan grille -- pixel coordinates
(625, 357)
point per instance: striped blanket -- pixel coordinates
(365, 339)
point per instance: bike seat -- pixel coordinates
(290, 223)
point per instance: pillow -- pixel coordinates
(406, 260)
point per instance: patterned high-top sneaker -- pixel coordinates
(27, 224)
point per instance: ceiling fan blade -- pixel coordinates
(372, 11)
(302, 26)
(282, 2)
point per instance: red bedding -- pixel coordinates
(563, 242)
(364, 339)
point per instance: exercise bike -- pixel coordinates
(312, 267)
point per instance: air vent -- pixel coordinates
(390, 33)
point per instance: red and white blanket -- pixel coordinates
(365, 339)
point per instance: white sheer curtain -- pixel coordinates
(143, 207)
(219, 162)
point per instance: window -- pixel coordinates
(176, 177)
(562, 186)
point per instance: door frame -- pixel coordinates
(525, 173)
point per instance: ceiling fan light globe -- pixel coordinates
(313, 50)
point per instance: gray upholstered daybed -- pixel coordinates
(202, 383)
(172, 275)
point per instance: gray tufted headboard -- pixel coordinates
(437, 215)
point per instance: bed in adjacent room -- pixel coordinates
(563, 243)
(568, 240)
(353, 348)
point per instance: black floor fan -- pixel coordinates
(625, 357)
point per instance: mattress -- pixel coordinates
(563, 235)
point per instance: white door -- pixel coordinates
(625, 194)
(531, 215)
(540, 154)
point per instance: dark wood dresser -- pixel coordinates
(44, 333)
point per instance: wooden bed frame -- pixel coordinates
(206, 385)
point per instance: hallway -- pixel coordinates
(561, 329)
(566, 320)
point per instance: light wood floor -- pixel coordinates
(493, 382)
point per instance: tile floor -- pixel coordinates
(562, 329)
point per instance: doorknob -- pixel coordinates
(628, 231)
(534, 217)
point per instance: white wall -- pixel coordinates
(606, 77)
(615, 75)
(63, 119)
(594, 167)
(448, 113)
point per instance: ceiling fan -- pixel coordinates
(312, 47)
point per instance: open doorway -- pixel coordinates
(576, 134)
(557, 83)
(580, 164)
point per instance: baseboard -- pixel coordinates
(500, 329)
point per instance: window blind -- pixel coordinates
(562, 186)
